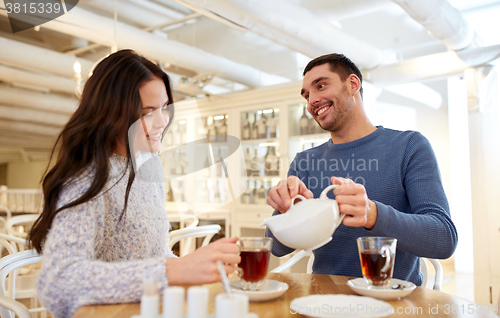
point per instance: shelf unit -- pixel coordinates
(238, 211)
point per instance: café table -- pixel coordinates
(422, 302)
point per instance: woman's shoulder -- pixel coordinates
(76, 186)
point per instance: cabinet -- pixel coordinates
(268, 124)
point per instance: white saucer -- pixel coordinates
(361, 286)
(333, 306)
(270, 289)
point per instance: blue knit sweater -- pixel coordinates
(400, 173)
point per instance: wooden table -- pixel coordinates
(417, 304)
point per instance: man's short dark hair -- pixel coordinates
(340, 64)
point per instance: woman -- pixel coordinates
(103, 231)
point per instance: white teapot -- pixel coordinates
(307, 225)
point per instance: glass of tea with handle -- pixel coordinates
(377, 255)
(254, 253)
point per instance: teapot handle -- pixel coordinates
(324, 196)
(298, 196)
(325, 192)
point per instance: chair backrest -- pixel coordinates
(8, 214)
(206, 231)
(8, 265)
(14, 221)
(438, 278)
(7, 305)
(3, 220)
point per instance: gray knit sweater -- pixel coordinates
(90, 257)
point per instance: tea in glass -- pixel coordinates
(255, 253)
(377, 255)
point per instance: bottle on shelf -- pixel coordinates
(222, 130)
(246, 128)
(207, 166)
(248, 162)
(247, 194)
(255, 129)
(218, 163)
(169, 193)
(304, 123)
(312, 126)
(275, 168)
(216, 192)
(271, 162)
(256, 165)
(261, 193)
(254, 195)
(261, 126)
(272, 126)
(211, 129)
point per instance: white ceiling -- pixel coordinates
(244, 43)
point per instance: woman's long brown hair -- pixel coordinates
(110, 104)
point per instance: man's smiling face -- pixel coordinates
(328, 97)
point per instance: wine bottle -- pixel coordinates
(222, 130)
(255, 130)
(272, 162)
(248, 162)
(217, 193)
(246, 128)
(261, 126)
(253, 197)
(245, 198)
(218, 163)
(261, 194)
(312, 126)
(211, 129)
(272, 126)
(304, 123)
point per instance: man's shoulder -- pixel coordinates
(315, 150)
(404, 135)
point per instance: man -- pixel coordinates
(390, 182)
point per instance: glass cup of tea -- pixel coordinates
(254, 253)
(377, 255)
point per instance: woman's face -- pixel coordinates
(154, 119)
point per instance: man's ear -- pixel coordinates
(354, 84)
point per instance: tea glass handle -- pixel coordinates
(298, 196)
(239, 271)
(386, 251)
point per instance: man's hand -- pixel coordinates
(200, 267)
(354, 203)
(280, 197)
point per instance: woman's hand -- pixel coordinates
(200, 267)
